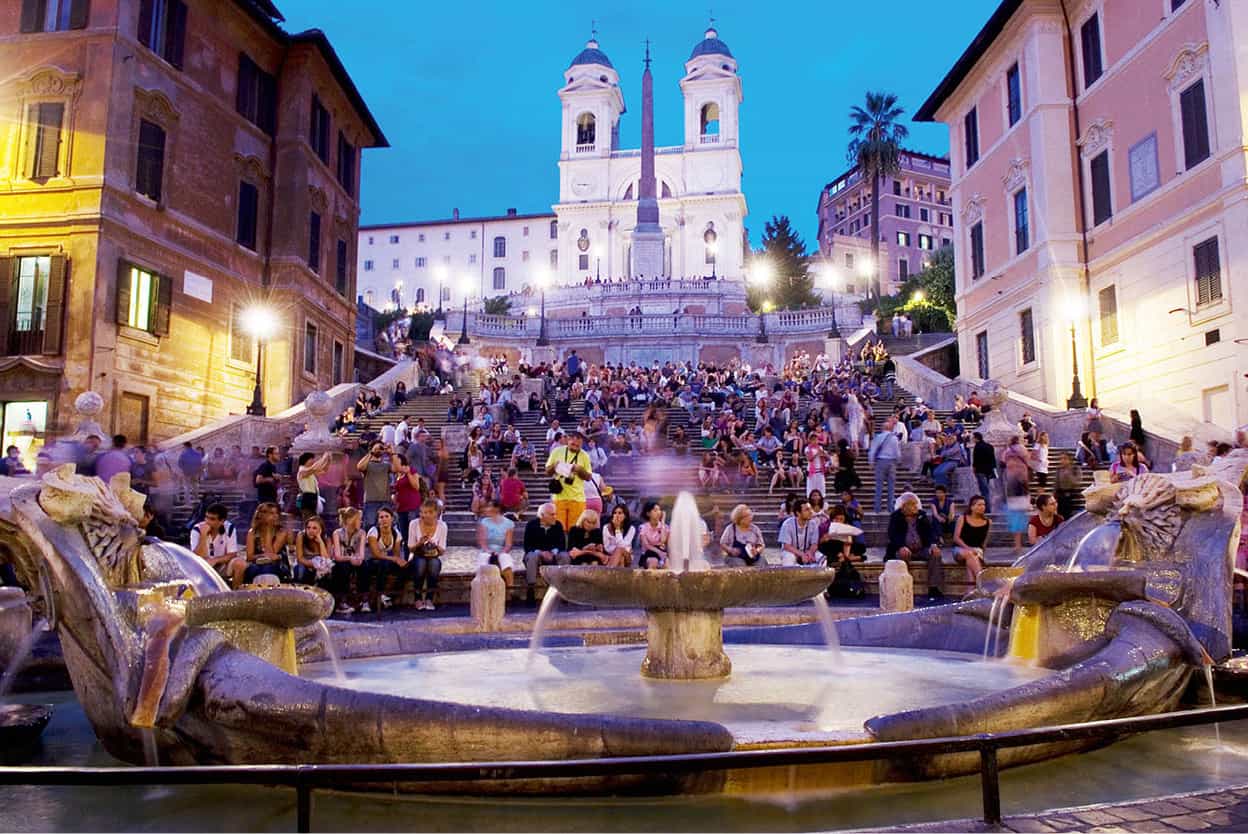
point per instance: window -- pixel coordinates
(346, 164)
(944, 241)
(446, 259)
(1102, 204)
(446, 235)
(1208, 272)
(1014, 94)
(421, 237)
(248, 212)
(368, 266)
(420, 295)
(318, 133)
(394, 239)
(1195, 125)
(1027, 337)
(977, 251)
(1107, 312)
(242, 347)
(525, 231)
(981, 354)
(586, 129)
(970, 130)
(554, 229)
(162, 28)
(143, 299)
(1176, 4)
(472, 234)
(370, 240)
(256, 98)
(149, 171)
(472, 259)
(445, 293)
(394, 264)
(903, 268)
(903, 238)
(339, 362)
(524, 256)
(53, 15)
(1022, 232)
(709, 119)
(314, 242)
(340, 267)
(582, 262)
(897, 187)
(925, 242)
(849, 260)
(34, 287)
(554, 258)
(1090, 38)
(903, 210)
(309, 348)
(44, 142)
(500, 278)
(500, 247)
(924, 215)
(420, 263)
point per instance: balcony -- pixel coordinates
(588, 147)
(708, 139)
(24, 343)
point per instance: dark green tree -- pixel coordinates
(928, 297)
(419, 327)
(792, 285)
(875, 141)
(498, 306)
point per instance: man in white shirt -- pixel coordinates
(387, 434)
(213, 539)
(400, 431)
(552, 432)
(799, 538)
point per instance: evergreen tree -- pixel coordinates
(792, 284)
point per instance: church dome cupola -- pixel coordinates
(591, 54)
(710, 45)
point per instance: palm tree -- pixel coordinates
(875, 147)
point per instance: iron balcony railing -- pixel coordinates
(304, 779)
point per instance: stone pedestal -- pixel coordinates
(834, 349)
(685, 645)
(541, 354)
(896, 587)
(488, 600)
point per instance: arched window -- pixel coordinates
(500, 278)
(666, 191)
(554, 229)
(420, 295)
(586, 129)
(710, 119)
(628, 195)
(500, 247)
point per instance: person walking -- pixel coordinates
(984, 465)
(883, 455)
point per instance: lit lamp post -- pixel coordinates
(597, 258)
(831, 277)
(440, 274)
(1075, 310)
(259, 321)
(711, 239)
(543, 278)
(463, 330)
(760, 276)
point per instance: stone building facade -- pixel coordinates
(916, 219)
(1100, 186)
(166, 165)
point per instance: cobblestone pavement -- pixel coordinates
(1221, 810)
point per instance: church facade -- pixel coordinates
(701, 206)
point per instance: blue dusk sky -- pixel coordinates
(467, 91)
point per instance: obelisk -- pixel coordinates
(648, 234)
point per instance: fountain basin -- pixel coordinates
(21, 725)
(685, 610)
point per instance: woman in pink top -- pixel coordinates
(653, 536)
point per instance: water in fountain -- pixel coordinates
(331, 651)
(1097, 548)
(994, 615)
(549, 603)
(1213, 701)
(685, 550)
(827, 625)
(20, 656)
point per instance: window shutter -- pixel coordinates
(1102, 204)
(175, 33)
(54, 318)
(1195, 125)
(32, 15)
(78, 14)
(1208, 272)
(123, 293)
(145, 25)
(164, 302)
(267, 105)
(8, 268)
(246, 86)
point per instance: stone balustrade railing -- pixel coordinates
(779, 323)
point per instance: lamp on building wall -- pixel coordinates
(597, 258)
(1076, 309)
(440, 273)
(713, 249)
(761, 274)
(463, 331)
(543, 279)
(866, 269)
(831, 277)
(260, 323)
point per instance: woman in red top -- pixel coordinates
(1045, 521)
(407, 491)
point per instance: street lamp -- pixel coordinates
(440, 273)
(463, 332)
(919, 297)
(761, 274)
(1076, 309)
(831, 277)
(713, 249)
(597, 258)
(543, 278)
(258, 321)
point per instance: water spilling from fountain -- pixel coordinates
(20, 655)
(331, 651)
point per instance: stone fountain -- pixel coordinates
(685, 603)
(155, 644)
